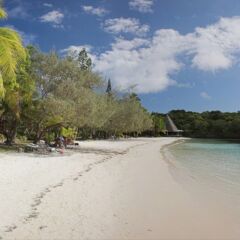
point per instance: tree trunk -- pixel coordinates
(10, 138)
(9, 124)
(38, 137)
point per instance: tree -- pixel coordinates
(85, 62)
(48, 110)
(158, 124)
(109, 87)
(12, 61)
(11, 53)
(55, 93)
(214, 124)
(62, 82)
(47, 115)
(16, 100)
(129, 117)
(135, 96)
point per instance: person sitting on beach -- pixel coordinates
(60, 142)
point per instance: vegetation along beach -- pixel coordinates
(119, 120)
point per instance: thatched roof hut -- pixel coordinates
(171, 127)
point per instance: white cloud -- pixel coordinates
(95, 11)
(146, 65)
(53, 17)
(124, 44)
(143, 6)
(125, 25)
(216, 45)
(184, 85)
(151, 64)
(205, 95)
(47, 5)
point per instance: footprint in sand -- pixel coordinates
(58, 185)
(42, 227)
(37, 202)
(10, 228)
(88, 169)
(33, 215)
(47, 190)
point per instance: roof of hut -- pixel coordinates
(170, 125)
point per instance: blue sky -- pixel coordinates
(176, 54)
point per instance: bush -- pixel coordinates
(68, 133)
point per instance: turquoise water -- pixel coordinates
(210, 165)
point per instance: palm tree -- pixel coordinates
(11, 53)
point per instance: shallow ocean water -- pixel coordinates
(208, 167)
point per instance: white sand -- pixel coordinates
(113, 190)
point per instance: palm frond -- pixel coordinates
(3, 13)
(2, 90)
(11, 52)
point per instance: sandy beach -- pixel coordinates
(108, 190)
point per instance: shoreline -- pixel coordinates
(129, 195)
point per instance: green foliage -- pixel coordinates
(49, 137)
(21, 139)
(213, 124)
(2, 138)
(16, 100)
(3, 13)
(68, 132)
(54, 95)
(128, 117)
(84, 61)
(158, 124)
(109, 87)
(11, 53)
